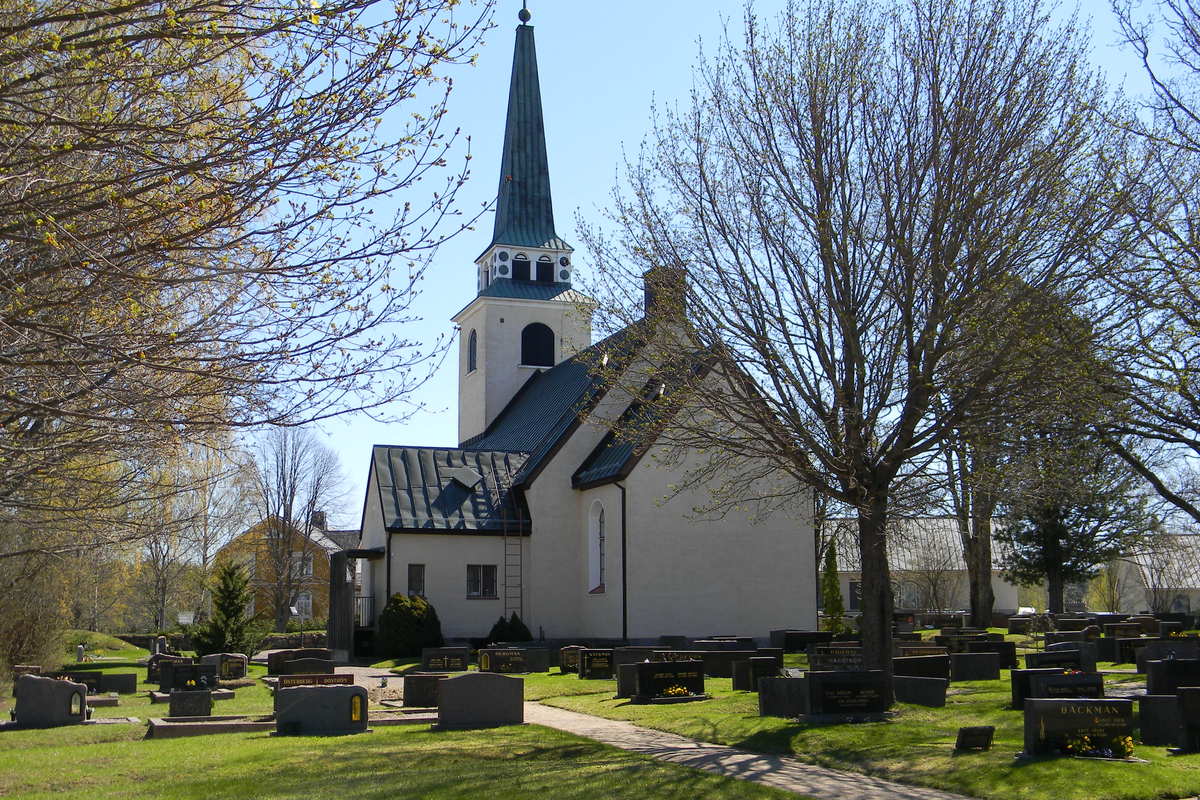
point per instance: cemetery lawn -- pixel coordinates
(916, 746)
(392, 762)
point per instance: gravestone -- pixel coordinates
(1168, 627)
(775, 653)
(975, 667)
(746, 674)
(1057, 637)
(420, 690)
(922, 666)
(672, 642)
(1018, 624)
(835, 658)
(119, 682)
(48, 703)
(907, 650)
(1165, 677)
(1188, 698)
(797, 641)
(503, 660)
(155, 662)
(1148, 624)
(1106, 649)
(1071, 623)
(307, 666)
(1122, 630)
(177, 675)
(1063, 659)
(719, 663)
(190, 704)
(1051, 724)
(626, 680)
(160, 644)
(1166, 649)
(782, 697)
(88, 678)
(655, 677)
(230, 666)
(320, 710)
(846, 693)
(975, 737)
(958, 644)
(1088, 652)
(276, 660)
(1020, 683)
(631, 655)
(332, 679)
(568, 658)
(1064, 685)
(718, 644)
(537, 659)
(920, 691)
(1158, 719)
(596, 665)
(1007, 651)
(1127, 649)
(445, 659)
(480, 700)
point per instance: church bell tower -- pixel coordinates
(525, 317)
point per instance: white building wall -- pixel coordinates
(373, 536)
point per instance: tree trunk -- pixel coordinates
(877, 603)
(978, 555)
(1054, 592)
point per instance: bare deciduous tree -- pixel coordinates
(859, 196)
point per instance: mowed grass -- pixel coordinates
(915, 746)
(96, 762)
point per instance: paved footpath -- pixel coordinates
(781, 772)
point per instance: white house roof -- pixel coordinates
(915, 544)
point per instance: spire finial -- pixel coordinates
(524, 14)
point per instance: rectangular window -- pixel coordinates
(481, 580)
(416, 579)
(855, 600)
(304, 605)
(302, 565)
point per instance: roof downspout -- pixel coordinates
(624, 570)
(388, 585)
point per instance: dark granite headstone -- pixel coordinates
(835, 658)
(1050, 724)
(1020, 683)
(1158, 719)
(1167, 627)
(782, 697)
(88, 678)
(176, 675)
(48, 703)
(568, 658)
(332, 679)
(421, 690)
(975, 667)
(1006, 650)
(1064, 685)
(503, 660)
(307, 666)
(155, 662)
(1165, 649)
(1148, 624)
(1189, 718)
(626, 680)
(445, 659)
(975, 737)
(655, 677)
(1057, 637)
(922, 666)
(846, 693)
(1165, 677)
(797, 641)
(775, 653)
(596, 665)
(481, 700)
(277, 659)
(1122, 630)
(321, 710)
(1071, 623)
(190, 704)
(907, 650)
(1018, 624)
(1087, 652)
(1063, 659)
(746, 674)
(230, 666)
(632, 655)
(1127, 649)
(719, 663)
(920, 691)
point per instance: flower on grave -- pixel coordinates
(675, 691)
(191, 684)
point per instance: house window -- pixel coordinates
(302, 565)
(472, 344)
(416, 579)
(596, 554)
(537, 345)
(855, 599)
(304, 605)
(481, 580)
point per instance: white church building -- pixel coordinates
(540, 509)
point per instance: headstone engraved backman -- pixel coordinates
(1051, 724)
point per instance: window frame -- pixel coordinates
(472, 351)
(411, 590)
(535, 349)
(480, 581)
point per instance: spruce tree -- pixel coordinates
(831, 591)
(229, 630)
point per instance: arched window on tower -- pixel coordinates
(537, 345)
(521, 267)
(545, 270)
(596, 548)
(472, 351)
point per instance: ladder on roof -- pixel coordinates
(512, 575)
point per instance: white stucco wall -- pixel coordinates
(498, 323)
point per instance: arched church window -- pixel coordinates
(521, 267)
(537, 345)
(545, 270)
(472, 351)
(596, 548)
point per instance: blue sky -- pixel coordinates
(602, 65)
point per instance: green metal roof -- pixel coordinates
(524, 209)
(448, 490)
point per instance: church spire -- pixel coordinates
(524, 211)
